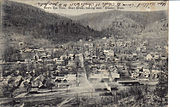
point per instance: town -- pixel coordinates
(104, 61)
(86, 58)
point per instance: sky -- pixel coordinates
(67, 11)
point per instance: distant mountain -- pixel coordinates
(27, 20)
(157, 26)
(101, 21)
(156, 31)
(122, 26)
(31, 21)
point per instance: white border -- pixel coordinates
(174, 54)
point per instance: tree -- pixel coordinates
(8, 89)
(11, 54)
(162, 87)
(150, 64)
(129, 67)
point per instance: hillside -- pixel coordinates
(157, 26)
(102, 20)
(123, 26)
(31, 21)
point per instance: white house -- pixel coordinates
(149, 57)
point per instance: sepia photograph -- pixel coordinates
(57, 53)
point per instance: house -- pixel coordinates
(71, 77)
(155, 73)
(27, 60)
(41, 50)
(109, 52)
(71, 63)
(59, 67)
(145, 43)
(115, 75)
(40, 60)
(134, 54)
(143, 50)
(149, 57)
(166, 48)
(89, 45)
(135, 74)
(63, 57)
(138, 49)
(156, 56)
(71, 56)
(55, 49)
(60, 80)
(94, 69)
(55, 59)
(86, 53)
(146, 73)
(27, 50)
(60, 77)
(119, 43)
(104, 38)
(103, 67)
(17, 81)
(49, 50)
(59, 61)
(99, 77)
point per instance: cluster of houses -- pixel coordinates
(104, 60)
(129, 59)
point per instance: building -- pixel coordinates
(109, 53)
(149, 57)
